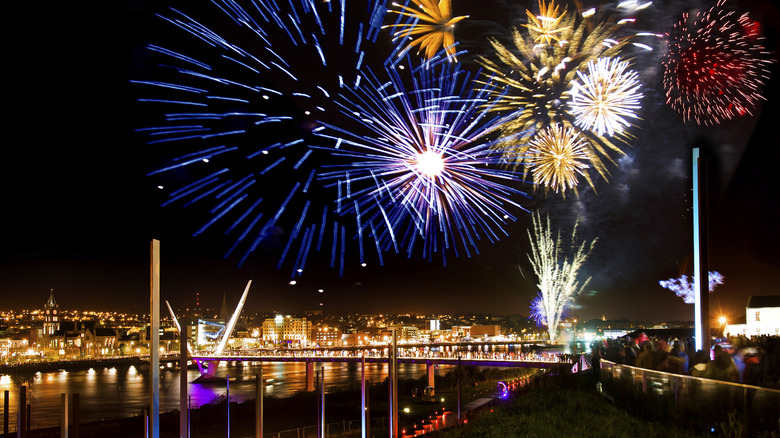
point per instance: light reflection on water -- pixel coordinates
(108, 393)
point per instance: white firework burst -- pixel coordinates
(604, 98)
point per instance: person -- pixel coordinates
(722, 367)
(699, 363)
(646, 357)
(632, 351)
(677, 360)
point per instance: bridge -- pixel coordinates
(428, 359)
(456, 353)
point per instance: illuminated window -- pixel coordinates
(758, 315)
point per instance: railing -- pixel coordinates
(705, 405)
(340, 429)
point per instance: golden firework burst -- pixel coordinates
(558, 157)
(432, 29)
(545, 27)
(533, 81)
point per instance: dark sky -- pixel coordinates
(80, 213)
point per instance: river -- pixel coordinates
(116, 392)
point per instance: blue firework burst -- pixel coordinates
(418, 164)
(236, 98)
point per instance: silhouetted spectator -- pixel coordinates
(646, 357)
(722, 367)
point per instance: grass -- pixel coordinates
(562, 407)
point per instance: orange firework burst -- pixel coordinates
(546, 27)
(432, 27)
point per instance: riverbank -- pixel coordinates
(68, 365)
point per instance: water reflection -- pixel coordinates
(107, 393)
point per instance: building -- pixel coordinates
(287, 330)
(51, 317)
(485, 331)
(325, 336)
(762, 317)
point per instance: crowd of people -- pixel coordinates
(752, 361)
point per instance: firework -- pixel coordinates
(546, 27)
(608, 94)
(237, 98)
(534, 80)
(683, 286)
(434, 24)
(715, 66)
(557, 273)
(557, 157)
(418, 163)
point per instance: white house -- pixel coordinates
(762, 317)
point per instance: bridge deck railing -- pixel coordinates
(704, 404)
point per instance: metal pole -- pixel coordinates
(20, 411)
(363, 413)
(6, 405)
(260, 388)
(63, 415)
(183, 387)
(227, 396)
(459, 377)
(700, 251)
(322, 400)
(395, 382)
(154, 341)
(74, 407)
(319, 424)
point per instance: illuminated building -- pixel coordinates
(325, 336)
(762, 317)
(485, 330)
(286, 329)
(51, 319)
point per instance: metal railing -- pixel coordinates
(703, 404)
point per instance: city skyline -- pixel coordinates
(82, 212)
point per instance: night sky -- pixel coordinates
(80, 211)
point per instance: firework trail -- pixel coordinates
(237, 98)
(683, 286)
(557, 271)
(418, 164)
(543, 81)
(715, 67)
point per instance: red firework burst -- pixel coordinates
(715, 66)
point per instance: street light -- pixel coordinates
(722, 320)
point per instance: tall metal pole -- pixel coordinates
(322, 400)
(183, 387)
(21, 410)
(459, 377)
(227, 396)
(6, 405)
(259, 389)
(75, 407)
(395, 383)
(700, 250)
(363, 413)
(319, 424)
(64, 415)
(154, 342)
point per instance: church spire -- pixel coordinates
(51, 302)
